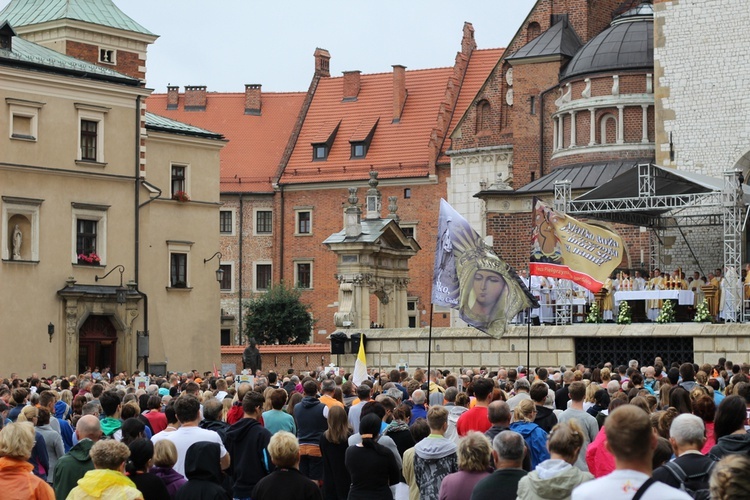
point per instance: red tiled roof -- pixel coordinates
(481, 65)
(397, 150)
(278, 349)
(251, 158)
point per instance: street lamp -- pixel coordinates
(50, 331)
(121, 290)
(219, 271)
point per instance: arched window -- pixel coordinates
(533, 30)
(607, 129)
(483, 115)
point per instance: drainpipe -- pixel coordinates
(138, 225)
(281, 238)
(241, 270)
(541, 127)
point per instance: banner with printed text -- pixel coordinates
(562, 247)
(470, 277)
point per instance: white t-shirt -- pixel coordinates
(623, 485)
(184, 437)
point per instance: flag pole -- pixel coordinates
(429, 350)
(528, 329)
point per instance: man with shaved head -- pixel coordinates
(73, 465)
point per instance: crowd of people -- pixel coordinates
(653, 431)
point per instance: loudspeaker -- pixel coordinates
(356, 338)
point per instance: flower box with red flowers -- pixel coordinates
(181, 196)
(90, 259)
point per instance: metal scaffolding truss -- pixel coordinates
(719, 203)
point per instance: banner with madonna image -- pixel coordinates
(470, 277)
(565, 248)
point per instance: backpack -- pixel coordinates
(692, 484)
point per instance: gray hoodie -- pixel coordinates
(552, 479)
(434, 458)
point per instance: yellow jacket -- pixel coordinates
(105, 484)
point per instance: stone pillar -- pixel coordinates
(644, 139)
(572, 129)
(71, 336)
(620, 124)
(592, 131)
(554, 135)
(560, 132)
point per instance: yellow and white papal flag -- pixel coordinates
(360, 366)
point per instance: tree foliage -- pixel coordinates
(278, 316)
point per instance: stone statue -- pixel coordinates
(17, 240)
(251, 358)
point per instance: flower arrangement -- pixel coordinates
(90, 258)
(624, 315)
(667, 312)
(594, 315)
(181, 196)
(702, 314)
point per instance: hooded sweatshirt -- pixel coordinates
(105, 483)
(311, 422)
(110, 426)
(434, 458)
(552, 478)
(535, 438)
(203, 472)
(454, 412)
(732, 444)
(247, 441)
(72, 467)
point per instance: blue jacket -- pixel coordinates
(535, 438)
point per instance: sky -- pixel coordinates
(226, 44)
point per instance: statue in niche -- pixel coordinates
(17, 240)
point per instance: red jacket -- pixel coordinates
(598, 458)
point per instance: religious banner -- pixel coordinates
(565, 248)
(470, 277)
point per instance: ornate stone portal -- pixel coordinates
(373, 259)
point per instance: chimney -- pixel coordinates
(322, 60)
(351, 85)
(399, 91)
(467, 41)
(195, 97)
(173, 96)
(252, 99)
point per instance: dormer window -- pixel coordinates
(359, 149)
(320, 151)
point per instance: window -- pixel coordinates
(409, 230)
(178, 270)
(532, 105)
(179, 181)
(263, 222)
(91, 133)
(24, 118)
(262, 277)
(320, 151)
(226, 335)
(359, 149)
(304, 222)
(303, 274)
(107, 56)
(88, 140)
(226, 222)
(407, 193)
(226, 279)
(89, 234)
(483, 115)
(411, 312)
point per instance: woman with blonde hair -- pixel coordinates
(535, 437)
(729, 479)
(333, 445)
(590, 400)
(474, 453)
(165, 456)
(16, 442)
(39, 457)
(557, 476)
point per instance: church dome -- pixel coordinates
(627, 44)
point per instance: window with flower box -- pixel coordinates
(179, 183)
(89, 234)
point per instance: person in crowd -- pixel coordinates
(557, 476)
(138, 470)
(39, 458)
(521, 388)
(247, 443)
(48, 400)
(474, 452)
(562, 395)
(52, 439)
(535, 437)
(165, 456)
(476, 418)
(203, 472)
(371, 466)
(690, 470)
(275, 419)
(235, 412)
(77, 462)
(212, 411)
(131, 430)
(730, 479)
(705, 409)
(333, 446)
(110, 404)
(327, 389)
(286, 481)
(157, 420)
(508, 449)
(187, 409)
(545, 417)
(107, 479)
(16, 480)
(601, 404)
(679, 398)
(500, 416)
(729, 428)
(398, 427)
(632, 442)
(364, 392)
(434, 457)
(311, 417)
(418, 410)
(587, 423)
(19, 396)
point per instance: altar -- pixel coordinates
(683, 297)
